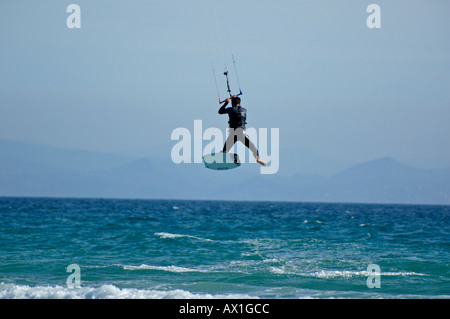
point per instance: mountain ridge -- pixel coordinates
(382, 180)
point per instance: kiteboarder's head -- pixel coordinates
(235, 101)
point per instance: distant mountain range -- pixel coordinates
(36, 170)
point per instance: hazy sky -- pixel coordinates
(136, 70)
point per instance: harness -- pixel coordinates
(237, 116)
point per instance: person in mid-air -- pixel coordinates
(237, 120)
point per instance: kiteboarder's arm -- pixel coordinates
(224, 110)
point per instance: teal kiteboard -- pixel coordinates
(221, 161)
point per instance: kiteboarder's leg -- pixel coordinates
(239, 134)
(244, 139)
(231, 139)
(251, 146)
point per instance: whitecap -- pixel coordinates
(329, 274)
(278, 270)
(169, 235)
(164, 235)
(12, 291)
(171, 268)
(349, 274)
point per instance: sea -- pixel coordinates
(56, 248)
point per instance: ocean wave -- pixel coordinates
(164, 235)
(231, 267)
(273, 265)
(349, 274)
(171, 268)
(12, 291)
(328, 274)
(235, 266)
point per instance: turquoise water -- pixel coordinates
(216, 249)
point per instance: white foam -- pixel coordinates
(328, 274)
(169, 235)
(349, 274)
(11, 291)
(400, 273)
(172, 236)
(164, 268)
(278, 271)
(231, 267)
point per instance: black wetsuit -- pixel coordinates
(237, 120)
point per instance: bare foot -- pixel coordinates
(260, 161)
